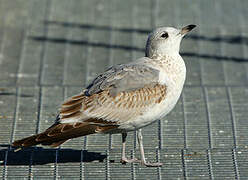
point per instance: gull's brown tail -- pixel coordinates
(61, 132)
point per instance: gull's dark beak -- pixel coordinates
(187, 29)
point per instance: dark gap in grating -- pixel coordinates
(30, 174)
(232, 117)
(234, 158)
(68, 33)
(107, 165)
(82, 176)
(132, 152)
(15, 116)
(44, 44)
(55, 171)
(5, 164)
(159, 135)
(208, 117)
(183, 164)
(158, 160)
(210, 168)
(184, 122)
(39, 111)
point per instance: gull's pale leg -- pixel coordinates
(124, 159)
(143, 159)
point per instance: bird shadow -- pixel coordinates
(40, 156)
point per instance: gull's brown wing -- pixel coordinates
(117, 109)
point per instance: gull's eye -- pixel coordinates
(165, 35)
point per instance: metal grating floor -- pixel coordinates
(50, 49)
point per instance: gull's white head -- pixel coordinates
(165, 40)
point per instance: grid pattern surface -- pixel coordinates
(50, 49)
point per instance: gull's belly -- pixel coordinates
(155, 112)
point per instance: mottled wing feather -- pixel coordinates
(105, 108)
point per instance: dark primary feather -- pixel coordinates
(59, 133)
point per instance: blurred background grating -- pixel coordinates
(51, 49)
